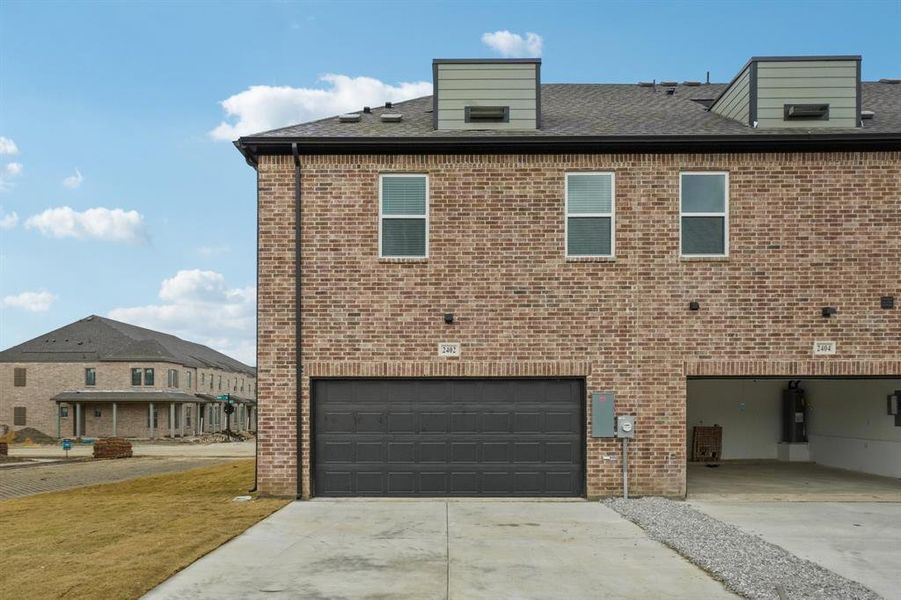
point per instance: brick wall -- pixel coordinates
(806, 231)
(46, 380)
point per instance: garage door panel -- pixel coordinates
(433, 452)
(370, 422)
(465, 422)
(448, 437)
(527, 422)
(433, 422)
(370, 452)
(402, 422)
(496, 452)
(464, 482)
(528, 482)
(559, 452)
(401, 483)
(337, 422)
(433, 482)
(495, 422)
(370, 483)
(399, 452)
(559, 422)
(463, 452)
(338, 452)
(527, 452)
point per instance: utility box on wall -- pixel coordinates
(603, 423)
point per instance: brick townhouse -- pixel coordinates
(99, 377)
(458, 293)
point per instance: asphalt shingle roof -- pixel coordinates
(100, 339)
(575, 109)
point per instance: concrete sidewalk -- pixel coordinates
(219, 450)
(51, 477)
(857, 540)
(442, 549)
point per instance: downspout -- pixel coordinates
(256, 437)
(298, 346)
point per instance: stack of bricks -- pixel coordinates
(114, 447)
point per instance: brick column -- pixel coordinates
(276, 319)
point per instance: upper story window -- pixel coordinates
(590, 207)
(172, 378)
(220, 382)
(136, 376)
(90, 376)
(19, 376)
(704, 214)
(188, 376)
(403, 216)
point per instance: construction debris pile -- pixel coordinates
(113, 447)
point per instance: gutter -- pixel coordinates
(298, 346)
(252, 147)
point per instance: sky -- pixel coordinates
(120, 194)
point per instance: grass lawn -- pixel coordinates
(119, 540)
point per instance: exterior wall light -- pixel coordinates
(694, 305)
(829, 311)
(887, 302)
(449, 318)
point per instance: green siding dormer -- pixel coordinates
(794, 92)
(498, 94)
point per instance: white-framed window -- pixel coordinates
(590, 224)
(403, 215)
(704, 213)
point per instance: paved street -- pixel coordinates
(420, 549)
(34, 479)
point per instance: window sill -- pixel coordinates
(590, 259)
(403, 259)
(704, 258)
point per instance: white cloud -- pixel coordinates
(30, 301)
(263, 107)
(513, 45)
(217, 250)
(199, 306)
(111, 225)
(8, 220)
(10, 171)
(73, 181)
(7, 146)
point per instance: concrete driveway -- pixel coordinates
(442, 549)
(857, 540)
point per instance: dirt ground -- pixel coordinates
(120, 540)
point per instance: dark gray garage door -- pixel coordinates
(448, 437)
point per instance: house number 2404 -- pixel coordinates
(823, 348)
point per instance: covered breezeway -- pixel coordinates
(832, 439)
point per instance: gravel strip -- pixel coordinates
(744, 563)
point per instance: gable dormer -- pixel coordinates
(808, 92)
(502, 94)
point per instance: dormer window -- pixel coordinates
(818, 112)
(487, 114)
